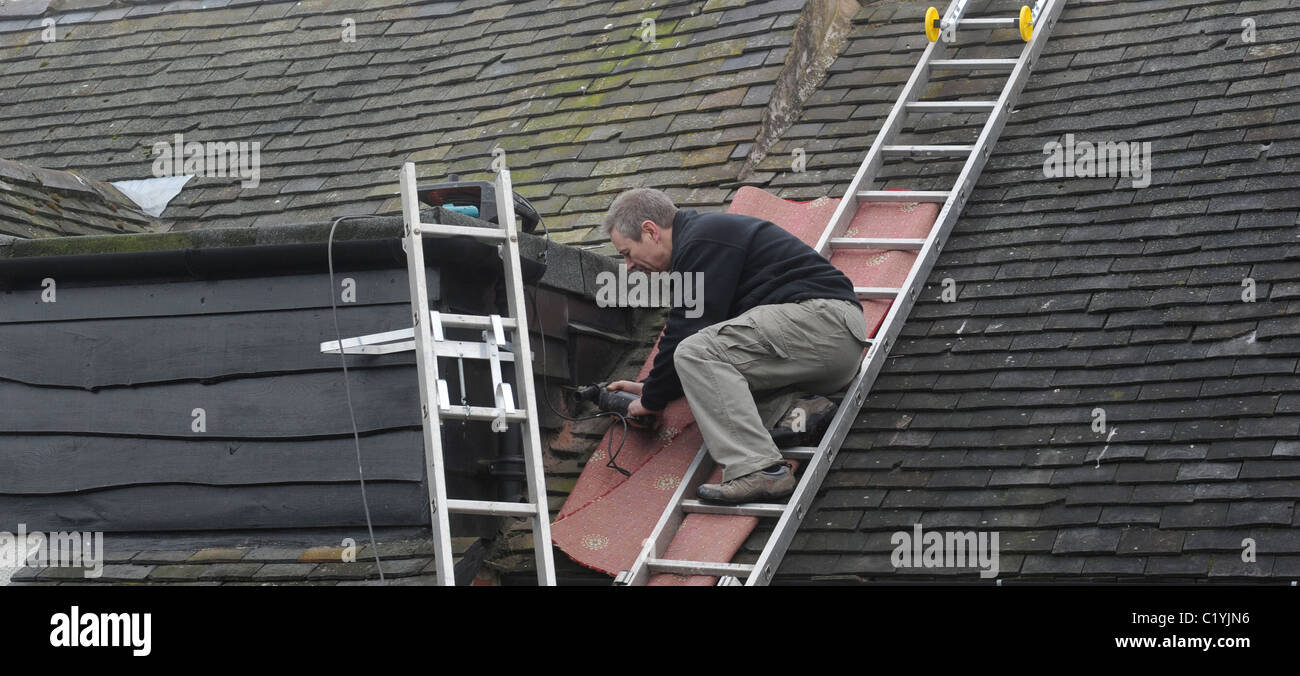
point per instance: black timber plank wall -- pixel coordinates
(97, 388)
(97, 391)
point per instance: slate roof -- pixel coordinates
(38, 202)
(1073, 294)
(1077, 294)
(582, 106)
(264, 559)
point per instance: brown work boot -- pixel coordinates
(753, 487)
(811, 416)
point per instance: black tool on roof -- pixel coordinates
(611, 401)
(481, 196)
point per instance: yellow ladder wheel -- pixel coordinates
(1026, 23)
(932, 24)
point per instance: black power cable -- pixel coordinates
(347, 388)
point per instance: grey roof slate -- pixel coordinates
(582, 106)
(260, 558)
(1079, 294)
(39, 202)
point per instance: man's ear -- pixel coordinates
(649, 227)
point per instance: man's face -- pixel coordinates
(652, 253)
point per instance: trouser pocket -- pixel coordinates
(751, 337)
(833, 339)
(855, 321)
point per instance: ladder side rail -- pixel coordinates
(783, 533)
(427, 368)
(815, 471)
(955, 13)
(866, 173)
(534, 471)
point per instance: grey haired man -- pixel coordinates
(776, 314)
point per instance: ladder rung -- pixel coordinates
(989, 21)
(454, 349)
(882, 243)
(475, 321)
(876, 292)
(928, 150)
(952, 106)
(974, 64)
(440, 230)
(491, 508)
(903, 195)
(698, 567)
(481, 413)
(799, 452)
(748, 509)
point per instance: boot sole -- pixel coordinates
(761, 499)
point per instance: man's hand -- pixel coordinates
(626, 386)
(636, 409)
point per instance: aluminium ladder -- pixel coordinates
(435, 404)
(818, 460)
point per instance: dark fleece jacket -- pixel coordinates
(746, 262)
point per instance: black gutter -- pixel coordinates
(276, 250)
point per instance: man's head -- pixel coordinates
(640, 224)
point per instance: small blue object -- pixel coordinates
(470, 210)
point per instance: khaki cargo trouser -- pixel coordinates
(771, 354)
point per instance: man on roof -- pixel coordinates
(775, 314)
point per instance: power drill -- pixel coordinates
(612, 401)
